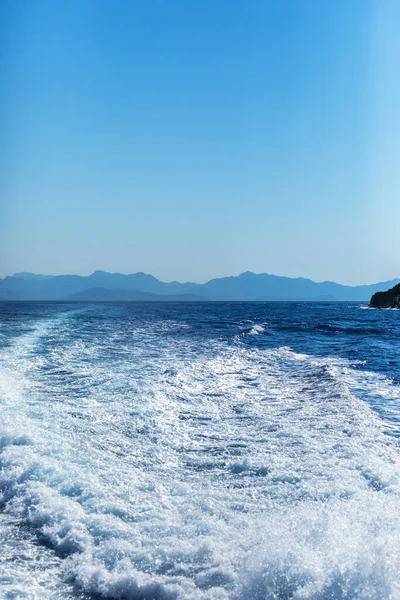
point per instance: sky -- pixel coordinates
(202, 138)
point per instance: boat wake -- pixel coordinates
(164, 469)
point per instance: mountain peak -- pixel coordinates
(247, 274)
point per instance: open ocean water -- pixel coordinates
(199, 451)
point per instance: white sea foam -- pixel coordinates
(162, 470)
(256, 329)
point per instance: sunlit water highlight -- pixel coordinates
(199, 451)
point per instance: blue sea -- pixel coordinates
(219, 451)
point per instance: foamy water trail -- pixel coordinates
(144, 465)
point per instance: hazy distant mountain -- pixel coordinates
(250, 286)
(28, 275)
(140, 286)
(120, 294)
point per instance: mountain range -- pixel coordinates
(103, 286)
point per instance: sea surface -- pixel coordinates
(159, 451)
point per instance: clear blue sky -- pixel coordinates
(199, 138)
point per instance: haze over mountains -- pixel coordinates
(102, 286)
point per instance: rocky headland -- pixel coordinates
(389, 299)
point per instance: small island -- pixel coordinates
(389, 299)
